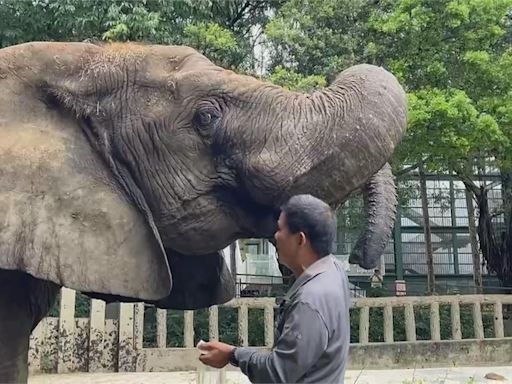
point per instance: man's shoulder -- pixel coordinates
(333, 272)
(330, 285)
(325, 284)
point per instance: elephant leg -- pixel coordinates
(24, 301)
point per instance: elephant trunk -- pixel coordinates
(332, 142)
(367, 122)
(380, 202)
(328, 143)
(356, 124)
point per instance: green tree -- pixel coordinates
(320, 37)
(454, 60)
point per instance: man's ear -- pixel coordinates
(302, 238)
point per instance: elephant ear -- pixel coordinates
(64, 215)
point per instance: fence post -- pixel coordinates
(435, 326)
(188, 329)
(66, 330)
(364, 324)
(138, 326)
(499, 332)
(213, 322)
(455, 317)
(96, 332)
(410, 323)
(477, 321)
(388, 324)
(243, 325)
(37, 343)
(269, 325)
(126, 351)
(161, 328)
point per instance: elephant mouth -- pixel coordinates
(254, 219)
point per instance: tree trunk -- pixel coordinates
(427, 232)
(475, 251)
(506, 180)
(506, 177)
(507, 209)
(495, 240)
(494, 243)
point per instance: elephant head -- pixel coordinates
(125, 168)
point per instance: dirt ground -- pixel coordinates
(460, 375)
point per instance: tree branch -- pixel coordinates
(488, 187)
(497, 213)
(239, 15)
(470, 185)
(408, 169)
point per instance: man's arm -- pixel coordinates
(302, 342)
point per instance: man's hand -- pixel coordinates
(216, 354)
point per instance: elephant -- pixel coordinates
(126, 167)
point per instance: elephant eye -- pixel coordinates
(206, 117)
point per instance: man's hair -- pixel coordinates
(306, 213)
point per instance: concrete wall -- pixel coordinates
(425, 354)
(420, 354)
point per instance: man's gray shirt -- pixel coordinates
(312, 333)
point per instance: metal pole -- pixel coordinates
(232, 259)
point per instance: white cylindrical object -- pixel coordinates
(206, 374)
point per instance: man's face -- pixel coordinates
(286, 243)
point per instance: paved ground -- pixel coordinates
(462, 375)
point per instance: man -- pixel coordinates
(313, 328)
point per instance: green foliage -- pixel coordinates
(217, 43)
(319, 36)
(425, 41)
(453, 58)
(445, 126)
(130, 21)
(295, 81)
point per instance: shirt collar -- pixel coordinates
(320, 266)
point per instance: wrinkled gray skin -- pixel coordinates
(124, 169)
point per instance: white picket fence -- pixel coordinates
(97, 344)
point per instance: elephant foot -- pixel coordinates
(24, 301)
